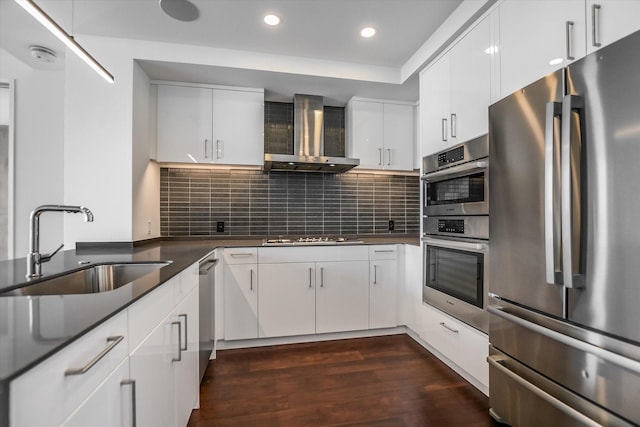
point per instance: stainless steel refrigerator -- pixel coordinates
(565, 245)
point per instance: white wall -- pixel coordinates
(39, 160)
(146, 174)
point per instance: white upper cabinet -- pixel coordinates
(199, 124)
(537, 38)
(455, 92)
(380, 134)
(610, 20)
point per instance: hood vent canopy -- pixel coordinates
(308, 142)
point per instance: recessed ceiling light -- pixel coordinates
(367, 32)
(271, 20)
(555, 61)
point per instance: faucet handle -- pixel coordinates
(45, 258)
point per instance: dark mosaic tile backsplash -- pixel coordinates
(256, 203)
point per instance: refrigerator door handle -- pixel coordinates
(570, 212)
(498, 361)
(551, 244)
(609, 356)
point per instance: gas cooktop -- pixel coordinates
(319, 240)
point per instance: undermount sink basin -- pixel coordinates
(95, 279)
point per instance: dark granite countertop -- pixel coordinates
(25, 341)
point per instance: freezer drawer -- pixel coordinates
(521, 397)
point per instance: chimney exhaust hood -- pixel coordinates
(308, 142)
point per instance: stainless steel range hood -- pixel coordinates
(308, 142)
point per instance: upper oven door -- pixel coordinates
(458, 190)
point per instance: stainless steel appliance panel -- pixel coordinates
(522, 397)
(475, 227)
(604, 90)
(599, 368)
(206, 289)
(517, 197)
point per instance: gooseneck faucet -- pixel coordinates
(35, 258)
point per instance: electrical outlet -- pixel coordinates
(392, 225)
(220, 226)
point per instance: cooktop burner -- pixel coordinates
(317, 240)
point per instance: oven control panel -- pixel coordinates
(451, 226)
(451, 156)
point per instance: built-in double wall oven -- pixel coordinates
(455, 214)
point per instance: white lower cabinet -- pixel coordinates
(463, 345)
(287, 299)
(342, 296)
(111, 404)
(383, 277)
(186, 370)
(240, 301)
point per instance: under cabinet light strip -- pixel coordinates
(65, 38)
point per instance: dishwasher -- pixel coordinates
(206, 287)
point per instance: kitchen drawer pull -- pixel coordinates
(380, 156)
(570, 25)
(132, 383)
(375, 274)
(310, 272)
(79, 371)
(389, 158)
(205, 148)
(251, 279)
(218, 149)
(235, 254)
(444, 130)
(186, 331)
(454, 125)
(322, 277)
(595, 25)
(444, 325)
(179, 358)
(383, 251)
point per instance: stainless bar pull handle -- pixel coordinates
(241, 254)
(310, 273)
(569, 35)
(389, 158)
(322, 277)
(186, 331)
(79, 371)
(444, 325)
(551, 244)
(206, 156)
(384, 251)
(454, 125)
(570, 178)
(375, 274)
(132, 383)
(497, 362)
(179, 358)
(218, 141)
(251, 279)
(444, 129)
(380, 156)
(595, 25)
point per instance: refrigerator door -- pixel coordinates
(607, 85)
(518, 130)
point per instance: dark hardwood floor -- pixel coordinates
(380, 381)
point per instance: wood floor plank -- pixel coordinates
(381, 381)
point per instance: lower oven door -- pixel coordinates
(454, 277)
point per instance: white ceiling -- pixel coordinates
(320, 29)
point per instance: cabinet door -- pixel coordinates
(111, 404)
(238, 127)
(287, 299)
(240, 301)
(184, 124)
(470, 85)
(383, 311)
(186, 370)
(533, 33)
(398, 137)
(151, 366)
(366, 133)
(342, 296)
(435, 106)
(609, 20)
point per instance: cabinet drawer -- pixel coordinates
(313, 254)
(465, 346)
(240, 255)
(381, 252)
(48, 393)
(147, 313)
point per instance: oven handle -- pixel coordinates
(455, 171)
(452, 244)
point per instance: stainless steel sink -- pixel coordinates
(95, 279)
